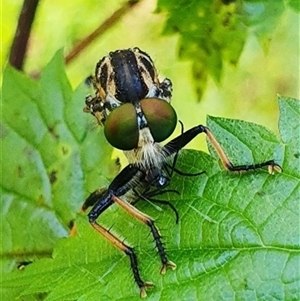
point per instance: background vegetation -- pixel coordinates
(225, 58)
(244, 76)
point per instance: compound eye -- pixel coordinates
(161, 117)
(121, 128)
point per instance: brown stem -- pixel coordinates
(108, 23)
(19, 45)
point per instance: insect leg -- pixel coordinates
(179, 142)
(163, 202)
(93, 198)
(147, 220)
(147, 196)
(104, 200)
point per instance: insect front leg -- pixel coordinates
(165, 90)
(102, 199)
(147, 220)
(126, 180)
(179, 142)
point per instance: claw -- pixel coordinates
(143, 287)
(168, 264)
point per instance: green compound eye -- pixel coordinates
(161, 117)
(121, 125)
(121, 128)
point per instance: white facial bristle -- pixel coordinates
(148, 153)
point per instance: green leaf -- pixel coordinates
(44, 152)
(238, 234)
(289, 130)
(213, 33)
(294, 4)
(263, 17)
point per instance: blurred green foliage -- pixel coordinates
(261, 38)
(249, 54)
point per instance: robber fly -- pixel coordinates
(134, 108)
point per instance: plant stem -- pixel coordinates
(108, 23)
(20, 42)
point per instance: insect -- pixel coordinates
(134, 108)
